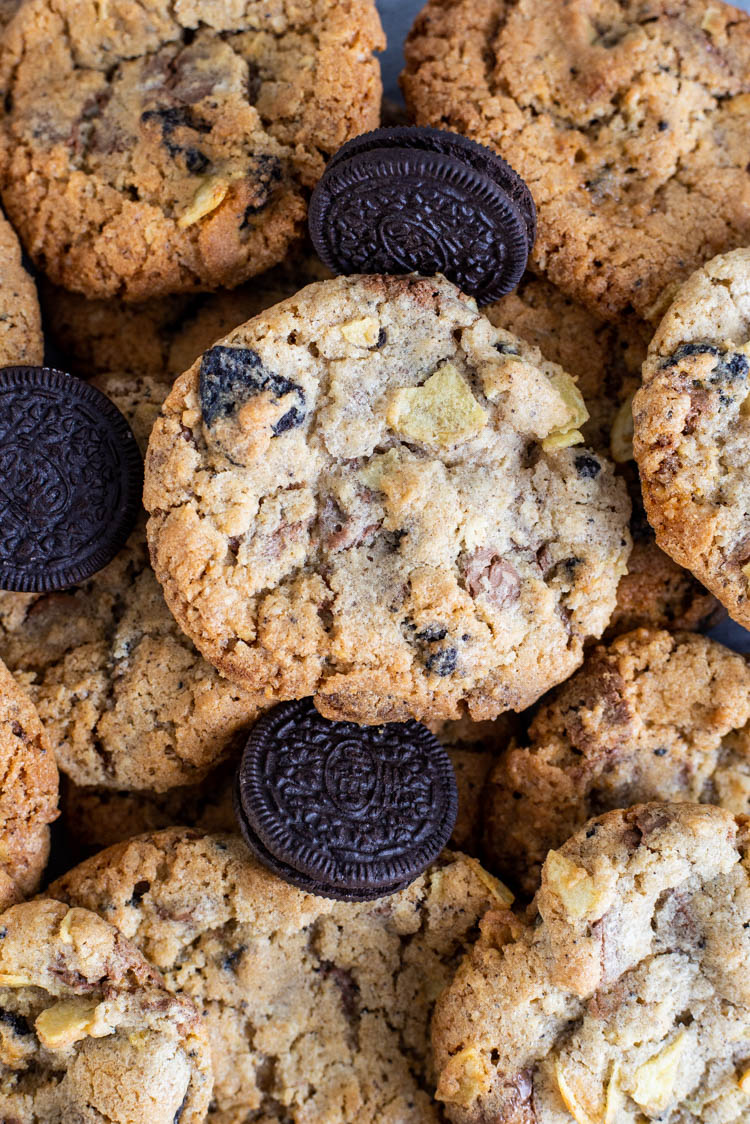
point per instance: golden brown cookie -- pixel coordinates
(692, 429)
(606, 360)
(371, 495)
(28, 793)
(154, 149)
(628, 120)
(652, 716)
(21, 342)
(624, 995)
(88, 1031)
(316, 1010)
(126, 699)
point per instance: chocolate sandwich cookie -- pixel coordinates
(341, 810)
(402, 200)
(70, 479)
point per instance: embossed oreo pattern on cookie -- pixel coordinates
(70, 479)
(406, 200)
(352, 806)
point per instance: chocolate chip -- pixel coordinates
(231, 376)
(587, 467)
(139, 891)
(344, 811)
(434, 632)
(442, 662)
(17, 1023)
(506, 348)
(71, 478)
(487, 572)
(406, 200)
(195, 161)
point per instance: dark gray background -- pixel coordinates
(397, 16)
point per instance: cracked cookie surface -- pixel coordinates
(88, 1032)
(28, 793)
(21, 340)
(627, 119)
(318, 1010)
(126, 700)
(367, 494)
(692, 428)
(624, 994)
(651, 716)
(155, 148)
(606, 360)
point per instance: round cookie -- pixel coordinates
(606, 360)
(89, 1033)
(692, 427)
(149, 150)
(316, 1010)
(652, 716)
(630, 126)
(624, 995)
(21, 340)
(126, 700)
(28, 794)
(370, 495)
(163, 336)
(94, 818)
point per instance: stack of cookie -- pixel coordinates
(370, 504)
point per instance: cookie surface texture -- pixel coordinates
(21, 341)
(625, 995)
(692, 425)
(126, 700)
(317, 1010)
(89, 1032)
(629, 122)
(368, 494)
(651, 716)
(149, 150)
(28, 798)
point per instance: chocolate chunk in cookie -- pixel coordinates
(404, 200)
(360, 809)
(71, 479)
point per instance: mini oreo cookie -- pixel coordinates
(345, 811)
(71, 478)
(403, 200)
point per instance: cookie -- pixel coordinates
(408, 200)
(21, 341)
(606, 360)
(692, 427)
(624, 995)
(629, 124)
(94, 818)
(150, 151)
(345, 812)
(72, 479)
(316, 1010)
(370, 495)
(163, 336)
(28, 795)
(88, 1030)
(651, 716)
(126, 700)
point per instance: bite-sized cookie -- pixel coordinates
(94, 818)
(606, 360)
(149, 150)
(652, 716)
(126, 700)
(28, 793)
(625, 996)
(163, 336)
(316, 1010)
(89, 1033)
(628, 121)
(692, 429)
(21, 340)
(371, 495)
